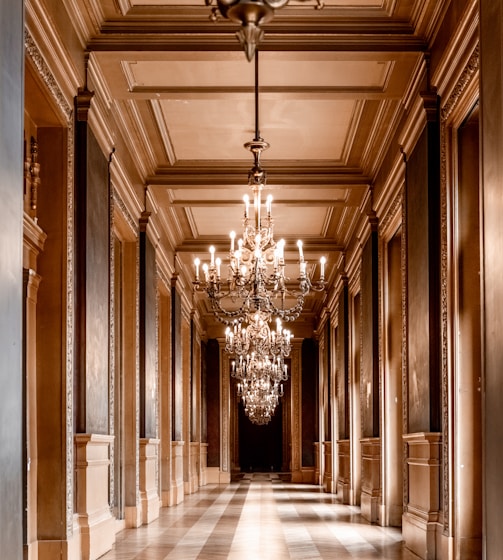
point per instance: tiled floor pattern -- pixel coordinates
(259, 517)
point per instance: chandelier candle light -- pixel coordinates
(254, 292)
(256, 271)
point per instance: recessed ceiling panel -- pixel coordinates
(288, 222)
(187, 73)
(338, 3)
(317, 70)
(208, 129)
(209, 197)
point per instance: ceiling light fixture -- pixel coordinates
(256, 279)
(250, 14)
(254, 293)
(260, 398)
(258, 350)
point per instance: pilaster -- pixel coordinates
(344, 479)
(371, 480)
(203, 464)
(177, 491)
(328, 476)
(149, 496)
(193, 482)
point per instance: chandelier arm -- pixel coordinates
(291, 313)
(224, 316)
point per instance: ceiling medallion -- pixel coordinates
(251, 15)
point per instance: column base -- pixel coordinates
(215, 476)
(421, 527)
(177, 483)
(97, 534)
(304, 476)
(150, 502)
(370, 496)
(421, 536)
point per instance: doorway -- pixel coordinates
(260, 446)
(467, 402)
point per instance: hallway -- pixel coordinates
(259, 517)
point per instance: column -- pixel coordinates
(369, 380)
(92, 336)
(423, 379)
(491, 80)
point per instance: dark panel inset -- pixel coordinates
(343, 364)
(213, 402)
(328, 380)
(177, 373)
(97, 289)
(204, 386)
(51, 312)
(309, 406)
(369, 333)
(148, 336)
(260, 447)
(193, 385)
(423, 290)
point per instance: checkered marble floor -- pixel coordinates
(259, 517)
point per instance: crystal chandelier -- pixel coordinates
(260, 398)
(258, 363)
(250, 14)
(256, 278)
(254, 292)
(258, 351)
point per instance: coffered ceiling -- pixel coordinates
(333, 84)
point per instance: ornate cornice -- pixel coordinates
(464, 81)
(393, 211)
(119, 205)
(47, 77)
